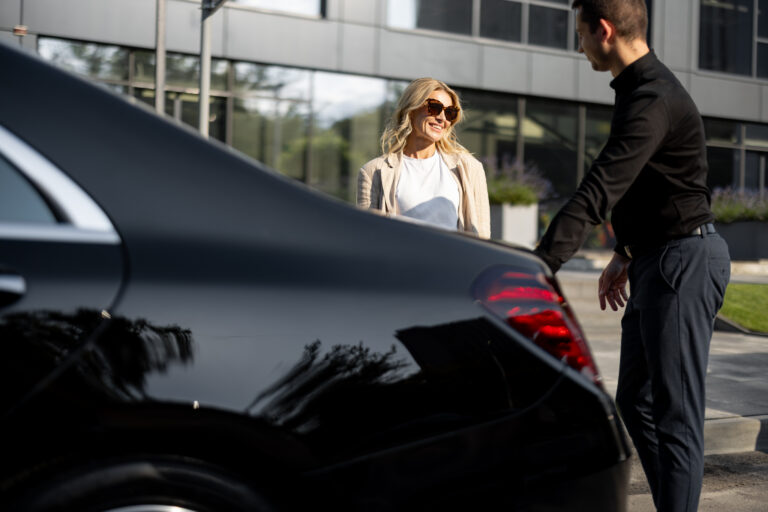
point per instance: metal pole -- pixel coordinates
(581, 144)
(205, 70)
(160, 58)
(22, 29)
(520, 142)
(208, 7)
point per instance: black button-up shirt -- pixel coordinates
(652, 172)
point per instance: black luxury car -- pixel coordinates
(182, 327)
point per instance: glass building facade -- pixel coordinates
(320, 127)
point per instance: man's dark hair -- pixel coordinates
(630, 17)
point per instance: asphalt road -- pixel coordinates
(733, 482)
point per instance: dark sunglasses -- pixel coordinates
(434, 107)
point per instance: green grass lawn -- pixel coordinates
(747, 305)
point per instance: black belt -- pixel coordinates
(702, 231)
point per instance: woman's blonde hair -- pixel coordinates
(399, 125)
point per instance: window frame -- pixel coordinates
(83, 219)
(741, 148)
(756, 40)
(524, 25)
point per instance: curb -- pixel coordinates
(735, 435)
(725, 325)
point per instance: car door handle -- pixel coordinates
(12, 288)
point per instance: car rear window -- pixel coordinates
(19, 200)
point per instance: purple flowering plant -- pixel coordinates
(731, 205)
(514, 183)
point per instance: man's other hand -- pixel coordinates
(612, 286)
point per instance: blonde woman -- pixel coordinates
(424, 173)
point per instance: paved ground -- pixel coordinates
(736, 425)
(733, 482)
(737, 380)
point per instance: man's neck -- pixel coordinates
(627, 52)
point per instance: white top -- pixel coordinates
(428, 192)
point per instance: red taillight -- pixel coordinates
(532, 305)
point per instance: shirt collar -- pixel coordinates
(634, 74)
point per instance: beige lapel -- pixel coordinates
(389, 173)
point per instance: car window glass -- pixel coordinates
(19, 200)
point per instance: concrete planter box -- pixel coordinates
(747, 240)
(515, 224)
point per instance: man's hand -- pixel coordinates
(613, 283)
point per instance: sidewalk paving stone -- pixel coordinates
(737, 380)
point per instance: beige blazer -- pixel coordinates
(377, 183)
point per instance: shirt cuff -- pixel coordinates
(620, 250)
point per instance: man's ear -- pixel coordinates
(607, 31)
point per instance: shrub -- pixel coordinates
(731, 206)
(513, 183)
(504, 190)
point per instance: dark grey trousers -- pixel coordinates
(675, 293)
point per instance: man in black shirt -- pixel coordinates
(651, 175)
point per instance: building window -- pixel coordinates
(546, 23)
(501, 19)
(536, 22)
(453, 16)
(727, 38)
(490, 129)
(649, 31)
(306, 7)
(550, 131)
(100, 61)
(737, 155)
(449, 16)
(548, 26)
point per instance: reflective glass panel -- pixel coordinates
(757, 135)
(762, 60)
(144, 66)
(94, 60)
(308, 7)
(752, 171)
(550, 132)
(649, 31)
(184, 71)
(19, 200)
(723, 168)
(272, 131)
(145, 96)
(490, 130)
(598, 128)
(348, 118)
(717, 130)
(272, 81)
(445, 15)
(181, 70)
(762, 18)
(725, 36)
(185, 108)
(500, 19)
(548, 27)
(122, 89)
(219, 74)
